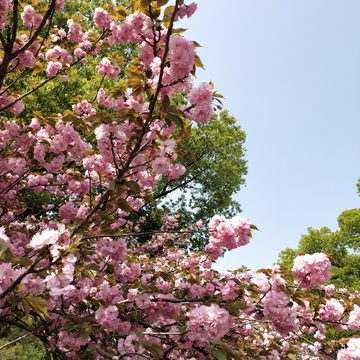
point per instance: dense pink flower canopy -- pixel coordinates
(80, 275)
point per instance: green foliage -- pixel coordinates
(343, 245)
(209, 184)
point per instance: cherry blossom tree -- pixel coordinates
(77, 278)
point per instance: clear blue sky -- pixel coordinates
(289, 71)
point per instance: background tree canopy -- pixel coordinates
(343, 245)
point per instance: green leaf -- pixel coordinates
(94, 118)
(122, 11)
(175, 118)
(230, 352)
(153, 348)
(178, 31)
(26, 307)
(198, 62)
(265, 271)
(191, 156)
(264, 353)
(140, 334)
(135, 5)
(240, 305)
(23, 261)
(38, 115)
(116, 92)
(184, 133)
(161, 2)
(165, 104)
(149, 198)
(112, 184)
(169, 8)
(134, 186)
(26, 100)
(38, 305)
(89, 152)
(132, 73)
(84, 333)
(144, 4)
(3, 246)
(123, 204)
(220, 354)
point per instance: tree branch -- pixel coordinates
(40, 336)
(38, 30)
(175, 188)
(14, 341)
(148, 233)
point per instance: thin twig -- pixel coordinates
(14, 341)
(148, 233)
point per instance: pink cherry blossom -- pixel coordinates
(46, 237)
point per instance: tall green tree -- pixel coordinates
(208, 186)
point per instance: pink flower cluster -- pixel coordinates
(312, 270)
(58, 53)
(230, 234)
(208, 323)
(53, 68)
(84, 108)
(7, 275)
(185, 10)
(102, 19)
(106, 68)
(161, 165)
(75, 33)
(332, 310)
(108, 317)
(25, 59)
(59, 283)
(352, 352)
(6, 6)
(46, 237)
(116, 104)
(354, 319)
(30, 18)
(5, 100)
(283, 318)
(201, 98)
(182, 57)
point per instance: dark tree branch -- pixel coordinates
(164, 193)
(38, 30)
(40, 336)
